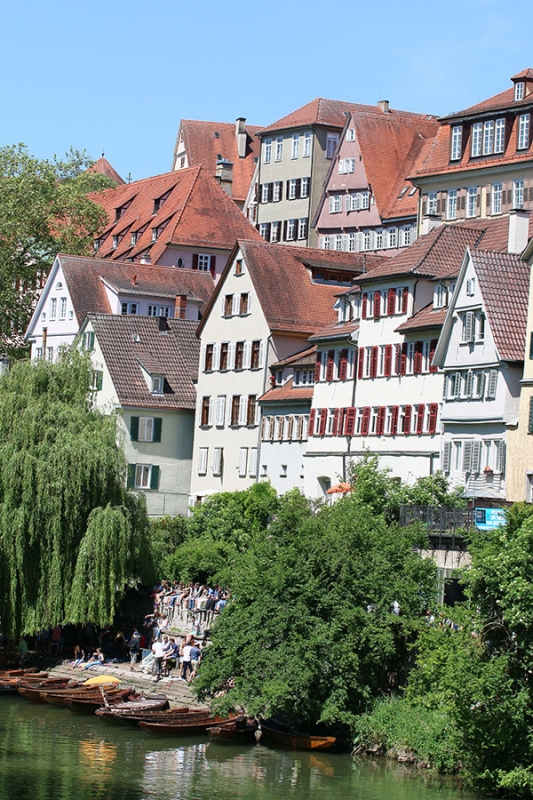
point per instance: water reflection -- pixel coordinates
(48, 753)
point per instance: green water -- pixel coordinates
(48, 753)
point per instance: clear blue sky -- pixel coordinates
(119, 75)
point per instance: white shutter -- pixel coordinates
(257, 414)
(249, 302)
(332, 204)
(476, 455)
(501, 457)
(211, 409)
(348, 202)
(468, 332)
(456, 384)
(216, 356)
(493, 383)
(481, 385)
(469, 383)
(235, 304)
(202, 460)
(261, 354)
(467, 456)
(217, 461)
(242, 409)
(247, 359)
(221, 409)
(243, 459)
(252, 462)
(231, 355)
(446, 455)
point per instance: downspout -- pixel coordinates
(45, 339)
(267, 349)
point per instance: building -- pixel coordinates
(481, 161)
(228, 151)
(78, 285)
(144, 370)
(180, 219)
(269, 300)
(368, 203)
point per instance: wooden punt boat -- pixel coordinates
(239, 731)
(60, 697)
(276, 734)
(133, 717)
(9, 686)
(32, 690)
(188, 725)
(88, 704)
(15, 673)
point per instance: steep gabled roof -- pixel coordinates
(103, 167)
(127, 342)
(503, 280)
(86, 279)
(194, 212)
(209, 142)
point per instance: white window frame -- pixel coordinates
(471, 201)
(53, 309)
(279, 148)
(202, 460)
(518, 193)
(477, 139)
(293, 185)
(308, 138)
(291, 230)
(519, 90)
(304, 187)
(62, 308)
(488, 137)
(218, 461)
(523, 131)
(276, 191)
(350, 135)
(267, 151)
(451, 204)
(499, 135)
(146, 429)
(143, 476)
(457, 140)
(432, 203)
(295, 146)
(496, 198)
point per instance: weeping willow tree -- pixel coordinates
(71, 536)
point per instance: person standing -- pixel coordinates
(134, 645)
(196, 655)
(186, 660)
(159, 654)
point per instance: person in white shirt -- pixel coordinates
(159, 654)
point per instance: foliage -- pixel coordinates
(44, 209)
(310, 633)
(166, 534)
(66, 520)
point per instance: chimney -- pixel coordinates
(384, 106)
(224, 175)
(240, 133)
(180, 307)
(518, 231)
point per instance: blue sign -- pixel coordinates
(486, 519)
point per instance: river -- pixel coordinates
(48, 753)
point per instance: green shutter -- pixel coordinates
(134, 429)
(158, 423)
(131, 476)
(99, 380)
(90, 340)
(154, 478)
(530, 426)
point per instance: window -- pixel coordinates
(115, 239)
(206, 412)
(335, 203)
(276, 191)
(129, 308)
(243, 460)
(53, 308)
(457, 139)
(251, 410)
(204, 262)
(279, 148)
(218, 460)
(97, 378)
(432, 203)
(488, 137)
(50, 353)
(302, 228)
(63, 305)
(496, 198)
(519, 90)
(470, 287)
(331, 144)
(346, 166)
(307, 144)
(291, 230)
(145, 429)
(451, 204)
(468, 320)
(471, 201)
(264, 230)
(499, 136)
(275, 231)
(392, 235)
(350, 135)
(221, 410)
(159, 311)
(239, 355)
(224, 351)
(202, 461)
(293, 189)
(477, 134)
(518, 194)
(523, 132)
(252, 462)
(235, 404)
(208, 363)
(304, 187)
(295, 145)
(265, 192)
(440, 296)
(146, 476)
(244, 305)
(228, 305)
(267, 151)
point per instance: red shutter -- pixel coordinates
(391, 302)
(337, 422)
(418, 358)
(331, 365)
(374, 362)
(380, 424)
(195, 260)
(312, 419)
(212, 266)
(420, 418)
(432, 348)
(364, 306)
(405, 296)
(340, 423)
(377, 304)
(322, 422)
(361, 367)
(365, 424)
(343, 366)
(394, 420)
(407, 420)
(433, 411)
(349, 426)
(398, 359)
(403, 360)
(388, 360)
(318, 365)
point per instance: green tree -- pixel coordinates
(44, 210)
(70, 533)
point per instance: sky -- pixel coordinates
(116, 76)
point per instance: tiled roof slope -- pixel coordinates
(304, 357)
(503, 280)
(440, 253)
(85, 279)
(129, 341)
(103, 167)
(196, 213)
(288, 392)
(207, 142)
(427, 317)
(335, 330)
(327, 113)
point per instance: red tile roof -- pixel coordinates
(127, 342)
(335, 330)
(503, 279)
(196, 213)
(303, 358)
(207, 142)
(327, 113)
(103, 167)
(85, 279)
(288, 392)
(427, 317)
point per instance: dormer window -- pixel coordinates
(155, 234)
(157, 384)
(519, 90)
(523, 131)
(134, 237)
(96, 245)
(115, 242)
(457, 140)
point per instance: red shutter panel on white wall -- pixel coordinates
(394, 420)
(432, 348)
(343, 365)
(407, 420)
(365, 424)
(420, 412)
(322, 422)
(405, 297)
(312, 420)
(391, 302)
(433, 411)
(388, 360)
(318, 365)
(349, 427)
(380, 423)
(364, 309)
(330, 366)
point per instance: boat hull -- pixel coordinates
(294, 740)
